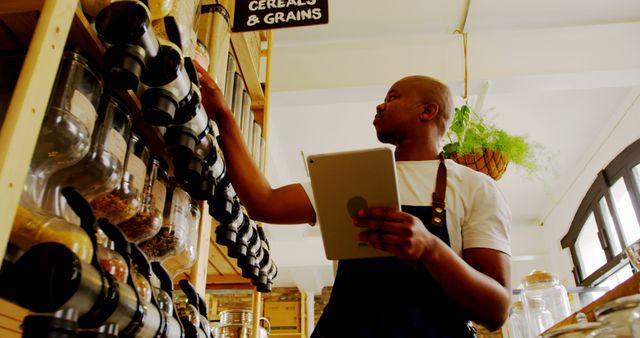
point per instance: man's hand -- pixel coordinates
(394, 231)
(212, 97)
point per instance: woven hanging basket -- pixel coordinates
(492, 163)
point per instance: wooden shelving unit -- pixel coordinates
(50, 26)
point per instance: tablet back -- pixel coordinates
(344, 183)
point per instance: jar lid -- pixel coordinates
(623, 303)
(538, 276)
(517, 305)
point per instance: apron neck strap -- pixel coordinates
(437, 198)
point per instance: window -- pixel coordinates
(607, 220)
(590, 254)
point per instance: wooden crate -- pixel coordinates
(283, 316)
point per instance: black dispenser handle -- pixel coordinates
(123, 247)
(115, 234)
(202, 306)
(163, 275)
(190, 292)
(141, 261)
(82, 209)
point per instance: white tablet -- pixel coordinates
(344, 183)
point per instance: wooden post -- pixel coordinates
(199, 269)
(28, 105)
(257, 313)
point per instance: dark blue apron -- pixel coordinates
(393, 298)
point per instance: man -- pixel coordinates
(452, 261)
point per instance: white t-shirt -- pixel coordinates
(477, 213)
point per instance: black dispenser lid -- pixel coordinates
(164, 67)
(45, 326)
(123, 65)
(158, 106)
(188, 171)
(123, 22)
(180, 141)
(47, 276)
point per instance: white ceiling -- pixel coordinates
(559, 72)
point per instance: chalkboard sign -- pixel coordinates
(251, 15)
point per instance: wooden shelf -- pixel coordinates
(628, 287)
(247, 48)
(18, 6)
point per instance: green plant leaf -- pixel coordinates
(470, 133)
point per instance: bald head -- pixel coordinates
(430, 90)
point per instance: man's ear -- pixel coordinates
(430, 111)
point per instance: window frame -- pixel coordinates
(620, 167)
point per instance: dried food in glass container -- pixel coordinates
(31, 228)
(185, 14)
(187, 311)
(65, 134)
(142, 287)
(124, 202)
(173, 234)
(184, 260)
(148, 221)
(101, 170)
(110, 260)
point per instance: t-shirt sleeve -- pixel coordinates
(309, 190)
(488, 225)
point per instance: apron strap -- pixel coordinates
(437, 198)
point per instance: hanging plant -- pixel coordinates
(484, 147)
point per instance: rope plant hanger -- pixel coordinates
(466, 127)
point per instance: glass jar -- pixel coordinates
(616, 317)
(202, 54)
(187, 312)
(582, 328)
(101, 170)
(186, 14)
(184, 260)
(91, 8)
(517, 324)
(148, 221)
(160, 8)
(540, 318)
(546, 287)
(65, 134)
(31, 228)
(142, 287)
(165, 303)
(124, 201)
(110, 260)
(172, 237)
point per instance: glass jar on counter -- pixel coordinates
(65, 134)
(616, 317)
(125, 200)
(582, 328)
(172, 237)
(546, 286)
(110, 260)
(148, 221)
(32, 227)
(540, 318)
(184, 260)
(517, 323)
(101, 169)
